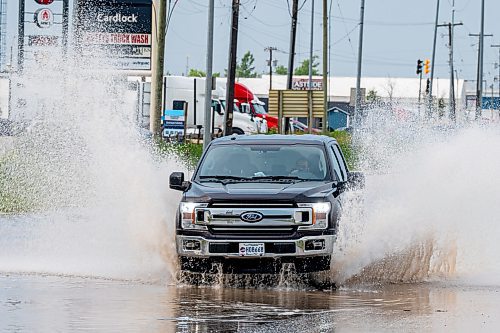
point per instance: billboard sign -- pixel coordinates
(44, 29)
(303, 84)
(118, 30)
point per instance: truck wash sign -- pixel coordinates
(117, 30)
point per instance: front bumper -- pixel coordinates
(207, 248)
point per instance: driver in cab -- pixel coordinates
(302, 170)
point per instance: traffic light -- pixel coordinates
(419, 66)
(427, 64)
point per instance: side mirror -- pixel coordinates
(218, 108)
(177, 181)
(356, 180)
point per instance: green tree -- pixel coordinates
(246, 68)
(196, 72)
(199, 73)
(303, 69)
(372, 96)
(281, 70)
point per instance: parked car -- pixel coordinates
(301, 127)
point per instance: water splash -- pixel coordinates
(107, 209)
(429, 210)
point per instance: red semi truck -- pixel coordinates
(247, 100)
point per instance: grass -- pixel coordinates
(345, 142)
(12, 198)
(187, 153)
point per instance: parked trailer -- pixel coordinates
(192, 91)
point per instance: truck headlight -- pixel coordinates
(320, 211)
(188, 215)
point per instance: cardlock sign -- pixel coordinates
(118, 30)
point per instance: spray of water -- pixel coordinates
(99, 192)
(429, 210)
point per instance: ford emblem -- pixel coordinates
(251, 217)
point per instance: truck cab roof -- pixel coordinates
(274, 139)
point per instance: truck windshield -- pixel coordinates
(235, 106)
(259, 109)
(264, 163)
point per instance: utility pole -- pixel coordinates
(451, 30)
(498, 65)
(207, 134)
(325, 67)
(158, 56)
(291, 55)
(20, 40)
(270, 49)
(231, 69)
(293, 33)
(479, 82)
(357, 103)
(452, 108)
(429, 102)
(311, 45)
(479, 95)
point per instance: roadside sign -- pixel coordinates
(303, 84)
(44, 18)
(173, 123)
(116, 32)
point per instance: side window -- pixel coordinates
(341, 160)
(336, 165)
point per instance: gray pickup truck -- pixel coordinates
(257, 202)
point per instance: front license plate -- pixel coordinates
(251, 249)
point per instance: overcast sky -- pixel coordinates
(397, 33)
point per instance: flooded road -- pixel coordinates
(37, 303)
(90, 246)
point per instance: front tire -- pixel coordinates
(237, 131)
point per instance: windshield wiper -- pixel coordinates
(224, 179)
(276, 178)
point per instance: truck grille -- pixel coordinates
(278, 220)
(253, 232)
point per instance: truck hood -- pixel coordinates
(259, 191)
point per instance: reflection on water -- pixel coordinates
(49, 304)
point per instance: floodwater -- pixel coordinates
(42, 303)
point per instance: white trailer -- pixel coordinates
(192, 91)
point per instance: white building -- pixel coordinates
(387, 88)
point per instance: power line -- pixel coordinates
(345, 27)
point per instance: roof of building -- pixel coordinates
(339, 87)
